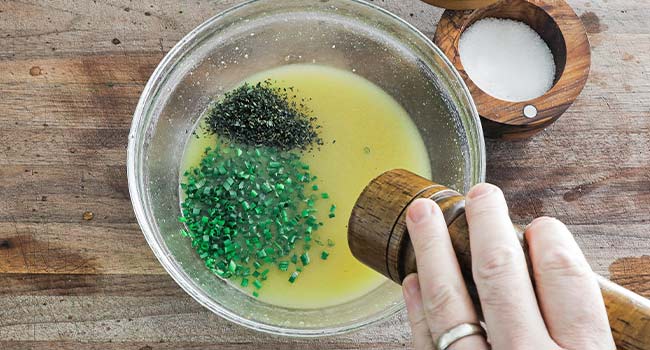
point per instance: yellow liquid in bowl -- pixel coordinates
(365, 132)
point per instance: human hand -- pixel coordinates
(564, 310)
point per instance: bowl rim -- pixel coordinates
(159, 248)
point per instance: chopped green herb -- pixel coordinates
(293, 276)
(245, 215)
(257, 284)
(305, 259)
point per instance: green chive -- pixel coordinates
(245, 208)
(305, 259)
(293, 276)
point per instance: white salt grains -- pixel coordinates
(507, 59)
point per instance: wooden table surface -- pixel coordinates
(71, 73)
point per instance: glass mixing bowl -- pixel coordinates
(259, 35)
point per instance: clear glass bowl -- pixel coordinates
(259, 35)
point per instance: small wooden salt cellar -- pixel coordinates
(460, 4)
(378, 237)
(563, 32)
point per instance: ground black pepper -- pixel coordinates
(264, 115)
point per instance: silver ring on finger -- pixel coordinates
(457, 333)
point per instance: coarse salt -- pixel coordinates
(507, 59)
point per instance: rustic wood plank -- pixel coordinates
(62, 193)
(603, 243)
(152, 319)
(68, 90)
(74, 147)
(127, 285)
(75, 249)
(632, 272)
(93, 91)
(247, 345)
(86, 248)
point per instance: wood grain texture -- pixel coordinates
(67, 93)
(377, 233)
(632, 272)
(460, 4)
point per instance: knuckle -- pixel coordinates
(486, 208)
(425, 242)
(500, 263)
(418, 321)
(495, 275)
(444, 297)
(562, 262)
(521, 340)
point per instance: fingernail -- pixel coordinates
(541, 219)
(420, 210)
(480, 190)
(412, 286)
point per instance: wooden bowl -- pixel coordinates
(460, 4)
(565, 35)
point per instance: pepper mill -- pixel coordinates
(378, 237)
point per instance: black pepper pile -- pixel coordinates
(263, 115)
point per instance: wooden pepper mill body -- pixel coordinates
(378, 237)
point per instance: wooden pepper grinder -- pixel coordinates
(378, 237)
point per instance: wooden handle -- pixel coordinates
(377, 236)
